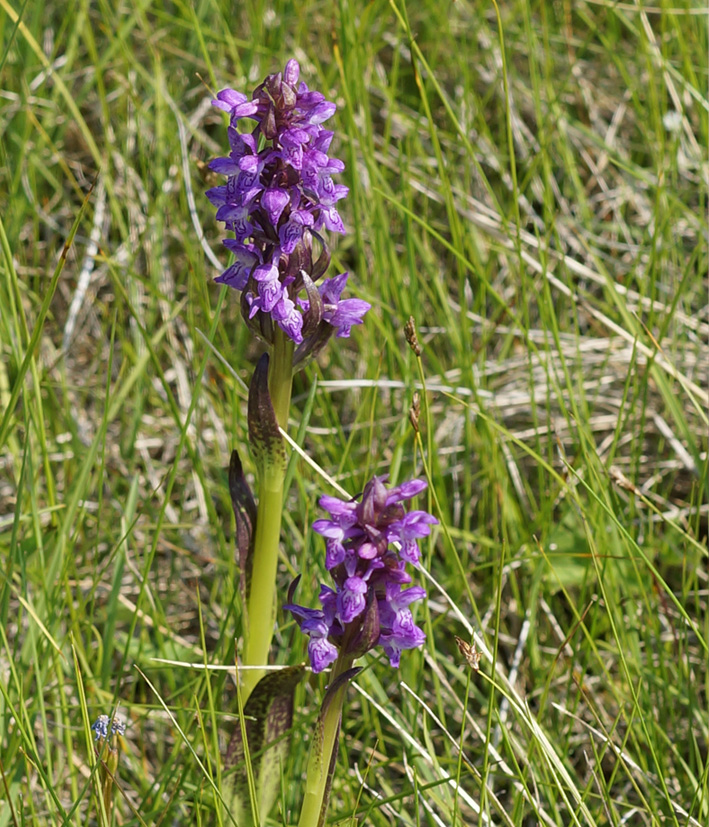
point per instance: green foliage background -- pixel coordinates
(529, 182)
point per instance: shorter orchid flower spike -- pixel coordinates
(368, 544)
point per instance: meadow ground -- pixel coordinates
(530, 184)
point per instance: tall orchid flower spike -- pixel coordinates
(368, 546)
(277, 200)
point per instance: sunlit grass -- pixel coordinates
(532, 189)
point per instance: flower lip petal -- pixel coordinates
(224, 166)
(331, 219)
(322, 653)
(351, 599)
(235, 103)
(228, 98)
(335, 554)
(406, 490)
(327, 528)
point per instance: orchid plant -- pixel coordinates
(278, 198)
(278, 203)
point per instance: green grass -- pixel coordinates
(516, 189)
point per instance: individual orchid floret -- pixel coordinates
(277, 200)
(316, 625)
(368, 545)
(341, 313)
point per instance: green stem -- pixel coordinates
(322, 752)
(261, 609)
(108, 756)
(280, 376)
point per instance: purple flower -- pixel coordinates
(292, 231)
(235, 103)
(100, 727)
(368, 546)
(404, 635)
(313, 622)
(351, 599)
(276, 201)
(341, 314)
(410, 528)
(289, 319)
(245, 258)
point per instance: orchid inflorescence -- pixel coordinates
(369, 544)
(278, 197)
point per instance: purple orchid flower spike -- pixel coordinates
(276, 202)
(368, 546)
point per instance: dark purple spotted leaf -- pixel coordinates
(268, 721)
(242, 502)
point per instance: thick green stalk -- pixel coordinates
(261, 609)
(322, 753)
(280, 376)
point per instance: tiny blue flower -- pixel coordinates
(100, 727)
(101, 724)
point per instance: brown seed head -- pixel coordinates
(411, 337)
(415, 411)
(469, 652)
